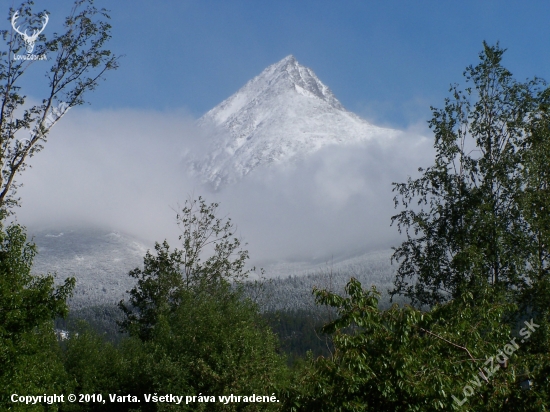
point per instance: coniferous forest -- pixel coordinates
(473, 267)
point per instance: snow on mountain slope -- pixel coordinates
(99, 260)
(281, 115)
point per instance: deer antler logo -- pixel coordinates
(29, 40)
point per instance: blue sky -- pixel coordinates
(385, 60)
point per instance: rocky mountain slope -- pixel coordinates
(283, 114)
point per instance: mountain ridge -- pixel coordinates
(283, 114)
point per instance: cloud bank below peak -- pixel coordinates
(124, 169)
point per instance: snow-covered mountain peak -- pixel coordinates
(279, 78)
(290, 73)
(282, 114)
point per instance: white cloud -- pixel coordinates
(338, 201)
(123, 169)
(120, 169)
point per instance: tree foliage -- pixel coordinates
(405, 359)
(76, 61)
(214, 345)
(198, 331)
(29, 354)
(94, 366)
(476, 217)
(210, 257)
(476, 252)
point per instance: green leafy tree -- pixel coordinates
(210, 257)
(215, 345)
(405, 359)
(199, 331)
(95, 366)
(76, 60)
(534, 201)
(157, 292)
(467, 220)
(29, 354)
(476, 251)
